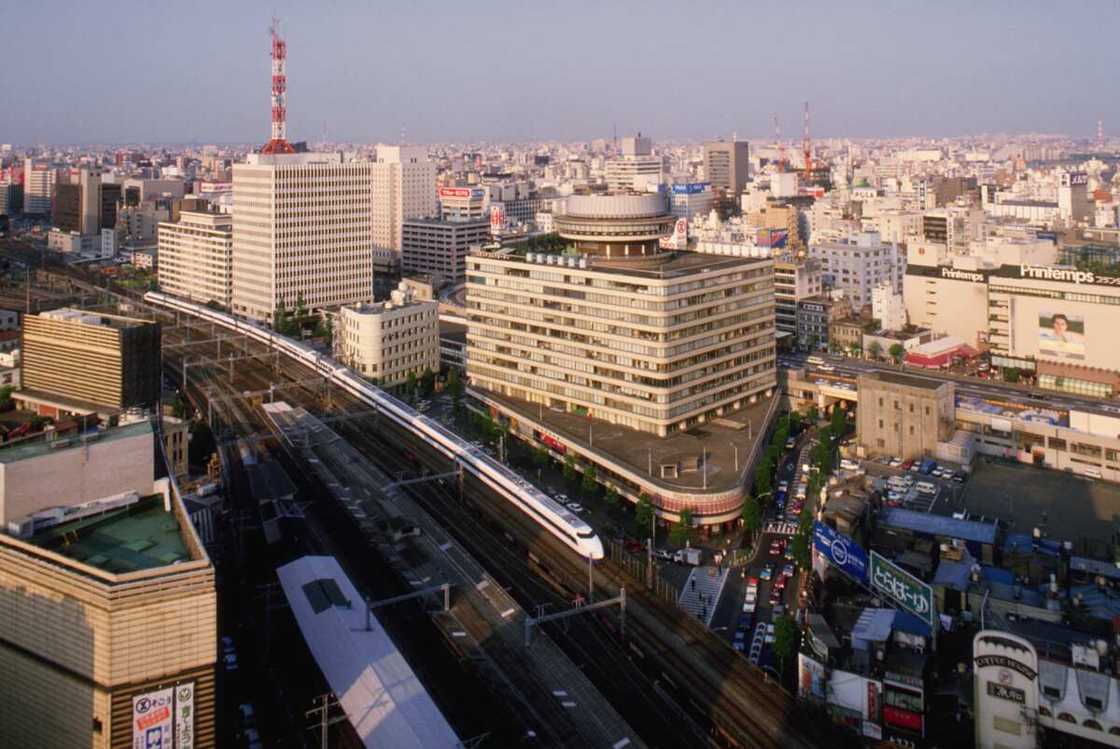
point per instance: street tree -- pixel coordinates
(410, 386)
(427, 382)
(611, 497)
(540, 457)
(589, 486)
(643, 514)
(897, 351)
(569, 468)
(752, 515)
(787, 640)
(875, 350)
(682, 530)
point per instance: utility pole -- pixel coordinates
(325, 721)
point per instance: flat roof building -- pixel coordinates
(108, 600)
(904, 416)
(389, 340)
(439, 248)
(101, 359)
(196, 257)
(726, 165)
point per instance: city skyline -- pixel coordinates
(503, 73)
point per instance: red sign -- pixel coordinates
(911, 721)
(454, 192)
(554, 443)
(873, 701)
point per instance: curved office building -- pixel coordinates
(615, 226)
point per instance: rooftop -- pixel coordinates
(899, 378)
(938, 525)
(663, 265)
(137, 537)
(86, 317)
(35, 448)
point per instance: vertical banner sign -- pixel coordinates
(151, 720)
(184, 716)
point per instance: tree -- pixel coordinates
(410, 385)
(6, 398)
(454, 385)
(855, 350)
(800, 545)
(814, 415)
(682, 530)
(875, 350)
(280, 318)
(569, 468)
(787, 640)
(643, 514)
(589, 486)
(427, 382)
(1011, 374)
(839, 421)
(324, 329)
(540, 457)
(752, 515)
(897, 351)
(763, 481)
(611, 497)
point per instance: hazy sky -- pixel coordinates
(117, 71)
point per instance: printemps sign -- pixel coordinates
(904, 589)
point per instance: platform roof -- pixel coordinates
(938, 525)
(383, 700)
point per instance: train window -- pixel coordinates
(586, 534)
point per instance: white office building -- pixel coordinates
(301, 230)
(887, 307)
(404, 187)
(858, 265)
(196, 257)
(388, 340)
(637, 169)
(38, 187)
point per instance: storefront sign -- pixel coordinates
(1004, 692)
(151, 720)
(184, 716)
(904, 589)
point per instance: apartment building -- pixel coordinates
(637, 168)
(439, 248)
(90, 357)
(301, 230)
(38, 187)
(657, 344)
(795, 278)
(196, 257)
(404, 187)
(858, 265)
(389, 340)
(107, 596)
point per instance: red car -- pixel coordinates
(775, 596)
(906, 465)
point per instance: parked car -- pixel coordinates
(575, 507)
(663, 554)
(767, 571)
(787, 571)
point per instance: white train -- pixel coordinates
(556, 519)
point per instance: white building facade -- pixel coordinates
(196, 257)
(859, 264)
(389, 340)
(404, 187)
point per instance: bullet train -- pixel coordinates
(556, 519)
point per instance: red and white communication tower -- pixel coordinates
(279, 141)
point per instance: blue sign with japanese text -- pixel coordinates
(840, 551)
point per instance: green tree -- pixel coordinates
(897, 351)
(324, 329)
(763, 481)
(300, 311)
(540, 457)
(611, 497)
(454, 385)
(1011, 374)
(6, 398)
(427, 382)
(643, 514)
(875, 350)
(814, 415)
(280, 318)
(569, 468)
(839, 421)
(752, 515)
(787, 640)
(855, 350)
(800, 545)
(589, 485)
(682, 529)
(410, 386)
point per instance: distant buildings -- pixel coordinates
(80, 358)
(196, 257)
(38, 187)
(637, 169)
(389, 340)
(301, 232)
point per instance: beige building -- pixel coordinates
(439, 249)
(726, 164)
(301, 229)
(795, 278)
(389, 340)
(658, 343)
(404, 187)
(90, 357)
(904, 416)
(196, 257)
(108, 605)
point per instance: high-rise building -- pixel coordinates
(66, 213)
(38, 187)
(439, 248)
(1073, 197)
(301, 231)
(404, 187)
(859, 265)
(90, 182)
(110, 197)
(637, 169)
(388, 341)
(196, 257)
(726, 164)
(795, 278)
(92, 358)
(107, 597)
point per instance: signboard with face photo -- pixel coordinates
(1061, 335)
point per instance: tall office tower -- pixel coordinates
(637, 168)
(66, 213)
(110, 197)
(726, 164)
(93, 358)
(107, 597)
(196, 257)
(301, 231)
(38, 187)
(1073, 197)
(404, 187)
(90, 182)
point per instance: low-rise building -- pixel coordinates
(388, 341)
(815, 316)
(903, 415)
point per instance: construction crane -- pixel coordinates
(279, 141)
(782, 161)
(807, 147)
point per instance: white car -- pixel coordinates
(575, 507)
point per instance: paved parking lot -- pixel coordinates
(1068, 505)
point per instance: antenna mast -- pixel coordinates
(807, 147)
(782, 159)
(279, 141)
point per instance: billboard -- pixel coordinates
(691, 188)
(1061, 335)
(184, 716)
(840, 551)
(907, 591)
(460, 192)
(151, 719)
